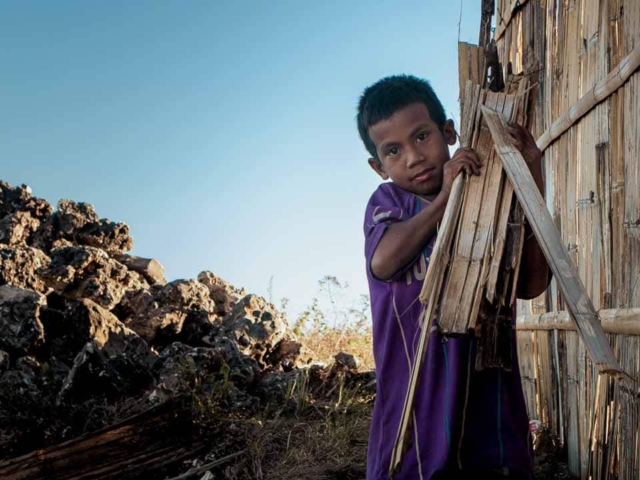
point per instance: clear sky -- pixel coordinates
(222, 132)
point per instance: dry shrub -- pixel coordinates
(338, 327)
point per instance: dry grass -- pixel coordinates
(338, 327)
(324, 344)
(311, 437)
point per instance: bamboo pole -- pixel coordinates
(601, 91)
(621, 321)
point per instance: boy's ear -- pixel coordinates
(449, 132)
(377, 167)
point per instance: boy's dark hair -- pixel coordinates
(390, 94)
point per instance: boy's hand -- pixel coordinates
(463, 159)
(525, 143)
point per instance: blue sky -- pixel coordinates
(222, 132)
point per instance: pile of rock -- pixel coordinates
(83, 323)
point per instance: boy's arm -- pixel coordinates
(403, 241)
(534, 276)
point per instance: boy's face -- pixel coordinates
(412, 149)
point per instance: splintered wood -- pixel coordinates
(479, 288)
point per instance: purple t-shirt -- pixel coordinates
(473, 420)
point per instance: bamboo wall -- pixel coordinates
(592, 176)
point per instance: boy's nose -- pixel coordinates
(414, 156)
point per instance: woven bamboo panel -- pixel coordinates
(592, 180)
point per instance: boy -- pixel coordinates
(466, 423)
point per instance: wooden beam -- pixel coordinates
(564, 270)
(601, 91)
(621, 321)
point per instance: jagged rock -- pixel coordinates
(160, 318)
(22, 404)
(345, 361)
(257, 328)
(79, 223)
(20, 328)
(113, 360)
(149, 268)
(197, 328)
(19, 266)
(221, 373)
(245, 370)
(16, 228)
(87, 272)
(186, 294)
(85, 321)
(285, 353)
(19, 199)
(4, 361)
(96, 373)
(276, 387)
(137, 302)
(178, 364)
(225, 295)
(72, 217)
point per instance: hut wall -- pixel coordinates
(592, 174)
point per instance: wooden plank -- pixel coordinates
(542, 225)
(140, 445)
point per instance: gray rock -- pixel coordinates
(286, 353)
(86, 322)
(159, 315)
(222, 372)
(276, 387)
(113, 360)
(256, 327)
(16, 228)
(87, 272)
(20, 328)
(19, 266)
(149, 268)
(4, 361)
(19, 199)
(79, 223)
(74, 216)
(345, 361)
(225, 295)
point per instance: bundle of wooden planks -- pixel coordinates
(480, 252)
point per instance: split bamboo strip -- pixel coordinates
(623, 321)
(506, 20)
(542, 225)
(601, 91)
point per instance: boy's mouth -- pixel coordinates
(424, 175)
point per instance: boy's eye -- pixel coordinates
(422, 136)
(393, 151)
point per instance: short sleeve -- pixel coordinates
(385, 208)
